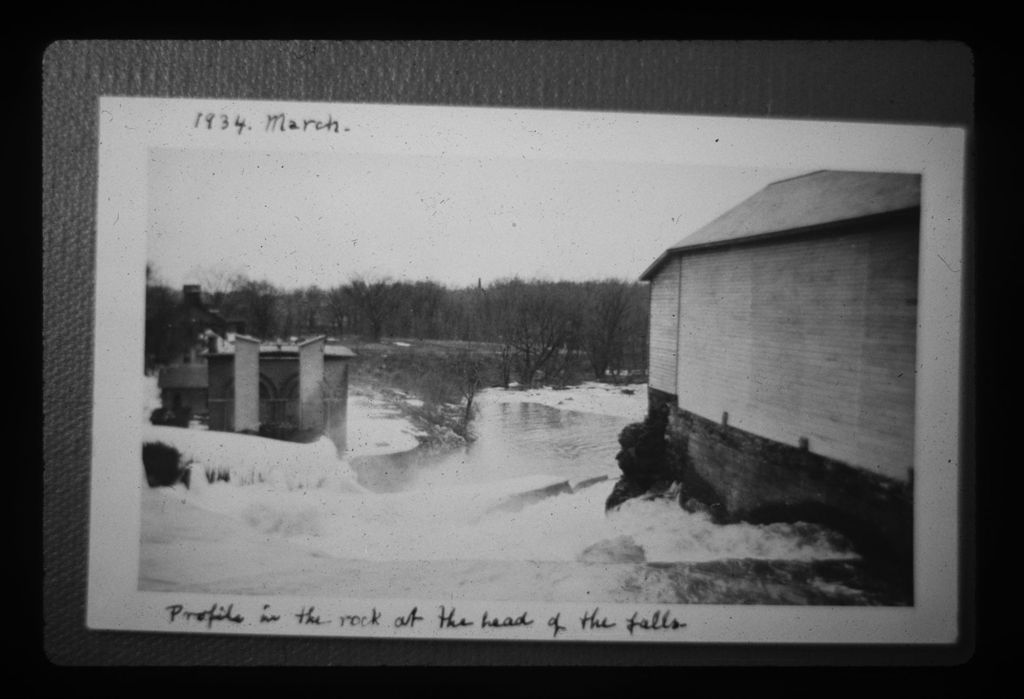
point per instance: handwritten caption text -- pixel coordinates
(445, 619)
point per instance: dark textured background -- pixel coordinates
(906, 81)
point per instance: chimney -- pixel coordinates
(193, 295)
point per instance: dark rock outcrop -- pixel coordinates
(641, 458)
(625, 489)
(163, 465)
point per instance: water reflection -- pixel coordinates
(513, 440)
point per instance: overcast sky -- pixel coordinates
(297, 219)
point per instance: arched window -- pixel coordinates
(290, 387)
(267, 388)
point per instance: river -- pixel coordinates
(518, 514)
(513, 440)
(740, 563)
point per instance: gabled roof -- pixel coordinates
(800, 203)
(287, 349)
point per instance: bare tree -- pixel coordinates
(570, 303)
(495, 314)
(315, 300)
(537, 329)
(300, 311)
(606, 324)
(426, 301)
(259, 300)
(469, 370)
(165, 337)
(218, 281)
(337, 303)
(375, 301)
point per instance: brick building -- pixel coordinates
(302, 385)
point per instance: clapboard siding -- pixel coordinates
(664, 327)
(808, 337)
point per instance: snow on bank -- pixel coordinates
(248, 459)
(150, 395)
(592, 397)
(375, 428)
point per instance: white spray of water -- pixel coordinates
(304, 493)
(469, 523)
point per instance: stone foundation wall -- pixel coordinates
(741, 476)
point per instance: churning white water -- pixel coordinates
(510, 496)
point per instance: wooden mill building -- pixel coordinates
(783, 337)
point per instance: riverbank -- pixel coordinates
(375, 427)
(440, 425)
(618, 400)
(433, 425)
(379, 424)
(427, 382)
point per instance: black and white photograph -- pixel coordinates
(485, 373)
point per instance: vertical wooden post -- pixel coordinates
(336, 404)
(311, 376)
(247, 383)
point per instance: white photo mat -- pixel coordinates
(130, 128)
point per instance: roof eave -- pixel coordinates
(652, 269)
(650, 272)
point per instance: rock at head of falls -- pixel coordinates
(621, 549)
(625, 489)
(642, 457)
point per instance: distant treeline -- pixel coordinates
(535, 326)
